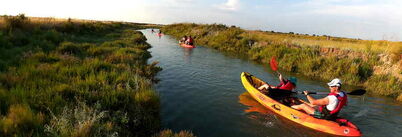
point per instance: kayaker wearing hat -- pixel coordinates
(183, 39)
(284, 85)
(328, 107)
(282, 92)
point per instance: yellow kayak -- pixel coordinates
(339, 127)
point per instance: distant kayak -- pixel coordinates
(339, 127)
(186, 46)
(159, 34)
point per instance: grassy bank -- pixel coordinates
(320, 57)
(76, 78)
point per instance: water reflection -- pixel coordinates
(269, 119)
(187, 54)
(253, 105)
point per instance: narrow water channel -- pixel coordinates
(201, 91)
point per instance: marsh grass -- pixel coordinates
(376, 46)
(388, 85)
(170, 133)
(21, 120)
(79, 121)
(76, 79)
(302, 53)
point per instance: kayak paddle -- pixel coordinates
(357, 92)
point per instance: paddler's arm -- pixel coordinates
(263, 86)
(313, 101)
(281, 78)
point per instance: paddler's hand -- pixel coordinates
(305, 92)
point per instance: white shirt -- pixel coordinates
(333, 101)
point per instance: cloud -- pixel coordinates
(347, 18)
(230, 5)
(387, 11)
(179, 1)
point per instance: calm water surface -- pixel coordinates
(201, 91)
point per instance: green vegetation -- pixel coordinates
(75, 79)
(319, 57)
(169, 133)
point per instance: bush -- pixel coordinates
(17, 22)
(70, 48)
(20, 120)
(79, 121)
(384, 85)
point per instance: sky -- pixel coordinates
(364, 19)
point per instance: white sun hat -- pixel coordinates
(335, 83)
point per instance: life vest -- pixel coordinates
(286, 86)
(190, 40)
(341, 102)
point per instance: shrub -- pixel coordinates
(79, 121)
(17, 22)
(399, 97)
(384, 85)
(70, 48)
(21, 121)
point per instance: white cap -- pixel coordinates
(335, 83)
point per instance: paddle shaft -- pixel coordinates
(354, 92)
(318, 93)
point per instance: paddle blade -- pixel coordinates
(357, 92)
(274, 64)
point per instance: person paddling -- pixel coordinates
(190, 41)
(282, 92)
(160, 34)
(183, 39)
(284, 84)
(327, 107)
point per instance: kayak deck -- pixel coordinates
(339, 127)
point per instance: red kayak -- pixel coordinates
(159, 34)
(186, 45)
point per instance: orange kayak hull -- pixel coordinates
(187, 46)
(340, 127)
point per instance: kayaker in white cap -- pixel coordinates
(327, 107)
